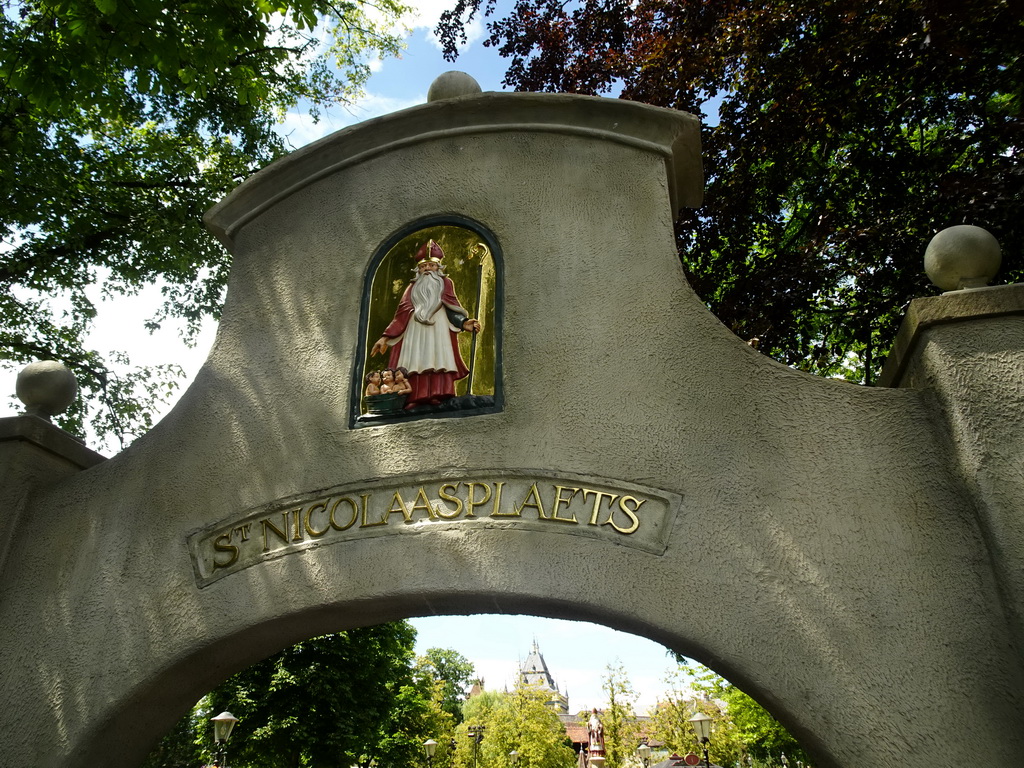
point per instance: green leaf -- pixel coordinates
(121, 128)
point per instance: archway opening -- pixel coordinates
(486, 690)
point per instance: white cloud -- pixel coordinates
(375, 105)
(474, 31)
(425, 15)
(299, 129)
(498, 674)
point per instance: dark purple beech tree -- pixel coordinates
(839, 136)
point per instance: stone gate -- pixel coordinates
(850, 556)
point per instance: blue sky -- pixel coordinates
(577, 654)
(403, 82)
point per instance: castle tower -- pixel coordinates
(534, 673)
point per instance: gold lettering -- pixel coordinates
(365, 524)
(227, 546)
(424, 504)
(495, 510)
(452, 514)
(352, 520)
(471, 497)
(397, 499)
(280, 533)
(536, 503)
(597, 502)
(309, 514)
(315, 519)
(630, 513)
(559, 501)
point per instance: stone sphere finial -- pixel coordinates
(962, 257)
(451, 84)
(46, 388)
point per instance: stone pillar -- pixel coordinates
(33, 452)
(966, 348)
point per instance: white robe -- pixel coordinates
(428, 347)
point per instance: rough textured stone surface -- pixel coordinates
(953, 307)
(34, 454)
(967, 350)
(829, 554)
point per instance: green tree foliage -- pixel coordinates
(520, 721)
(691, 692)
(418, 713)
(121, 123)
(668, 723)
(454, 671)
(351, 698)
(477, 711)
(741, 728)
(181, 747)
(323, 701)
(840, 135)
(763, 736)
(621, 731)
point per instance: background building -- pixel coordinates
(534, 673)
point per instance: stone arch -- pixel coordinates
(145, 713)
(824, 545)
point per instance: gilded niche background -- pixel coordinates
(431, 340)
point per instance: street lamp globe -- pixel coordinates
(702, 726)
(644, 751)
(222, 725)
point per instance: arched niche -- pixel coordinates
(468, 257)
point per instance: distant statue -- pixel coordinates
(423, 336)
(596, 734)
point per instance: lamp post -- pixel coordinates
(476, 733)
(430, 746)
(222, 725)
(644, 751)
(702, 727)
(513, 758)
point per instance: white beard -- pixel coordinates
(426, 296)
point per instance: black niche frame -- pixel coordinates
(497, 401)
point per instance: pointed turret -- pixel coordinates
(534, 673)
